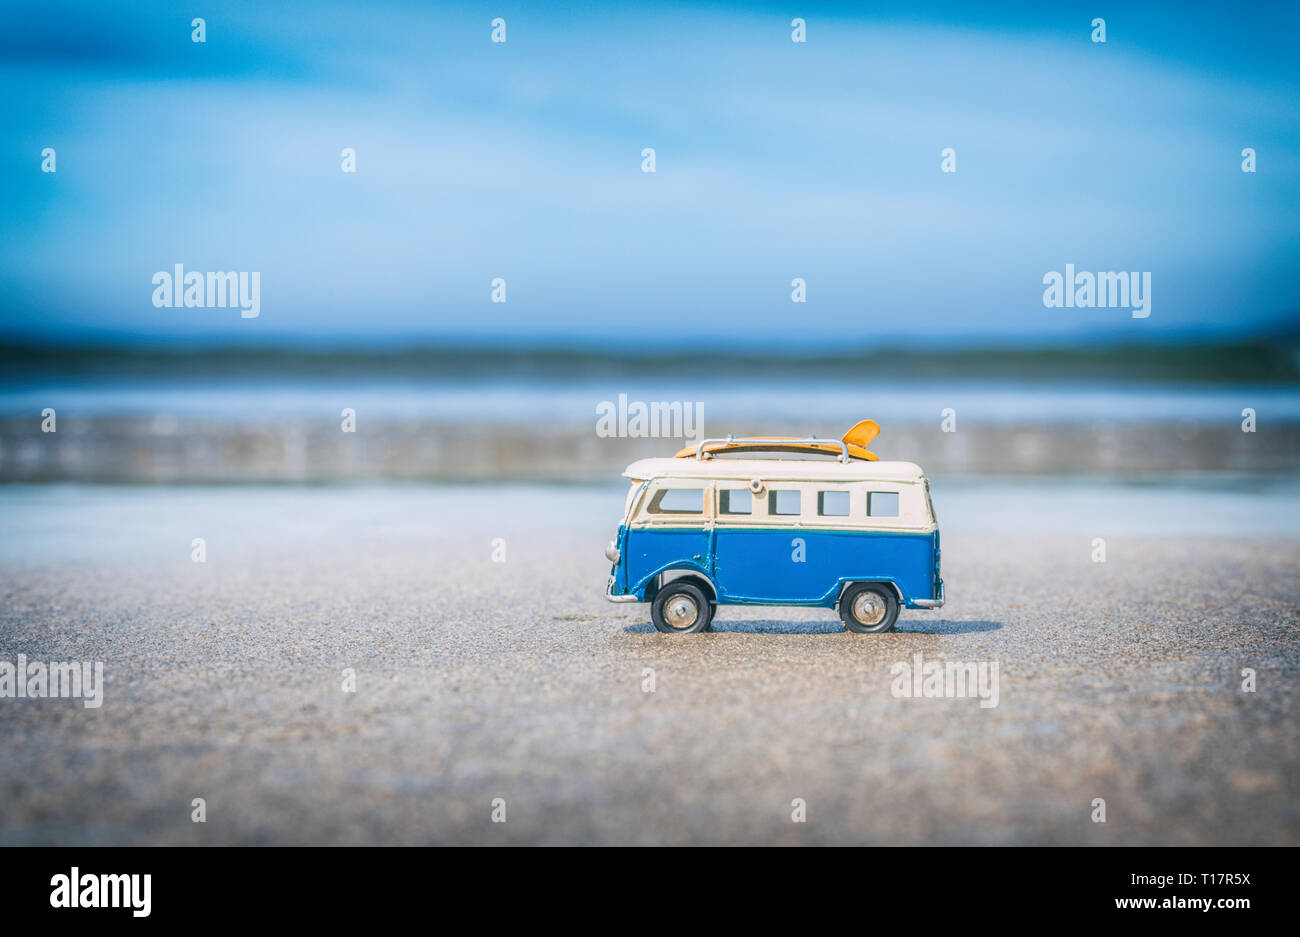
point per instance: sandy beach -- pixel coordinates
(478, 680)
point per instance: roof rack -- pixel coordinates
(776, 443)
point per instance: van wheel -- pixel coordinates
(869, 609)
(681, 608)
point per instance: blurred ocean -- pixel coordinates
(249, 416)
(793, 406)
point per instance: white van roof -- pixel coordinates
(783, 469)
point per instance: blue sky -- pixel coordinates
(774, 160)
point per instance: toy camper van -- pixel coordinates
(777, 520)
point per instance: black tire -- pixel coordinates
(675, 602)
(864, 617)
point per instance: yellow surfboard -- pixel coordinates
(856, 439)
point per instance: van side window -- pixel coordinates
(677, 501)
(735, 501)
(882, 504)
(833, 503)
(783, 502)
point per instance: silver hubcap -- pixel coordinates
(681, 611)
(869, 608)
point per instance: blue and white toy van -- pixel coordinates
(777, 521)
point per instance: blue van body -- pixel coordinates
(791, 521)
(752, 565)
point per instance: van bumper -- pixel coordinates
(931, 603)
(609, 593)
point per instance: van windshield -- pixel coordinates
(632, 493)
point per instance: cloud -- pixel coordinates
(774, 160)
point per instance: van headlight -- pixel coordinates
(611, 552)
